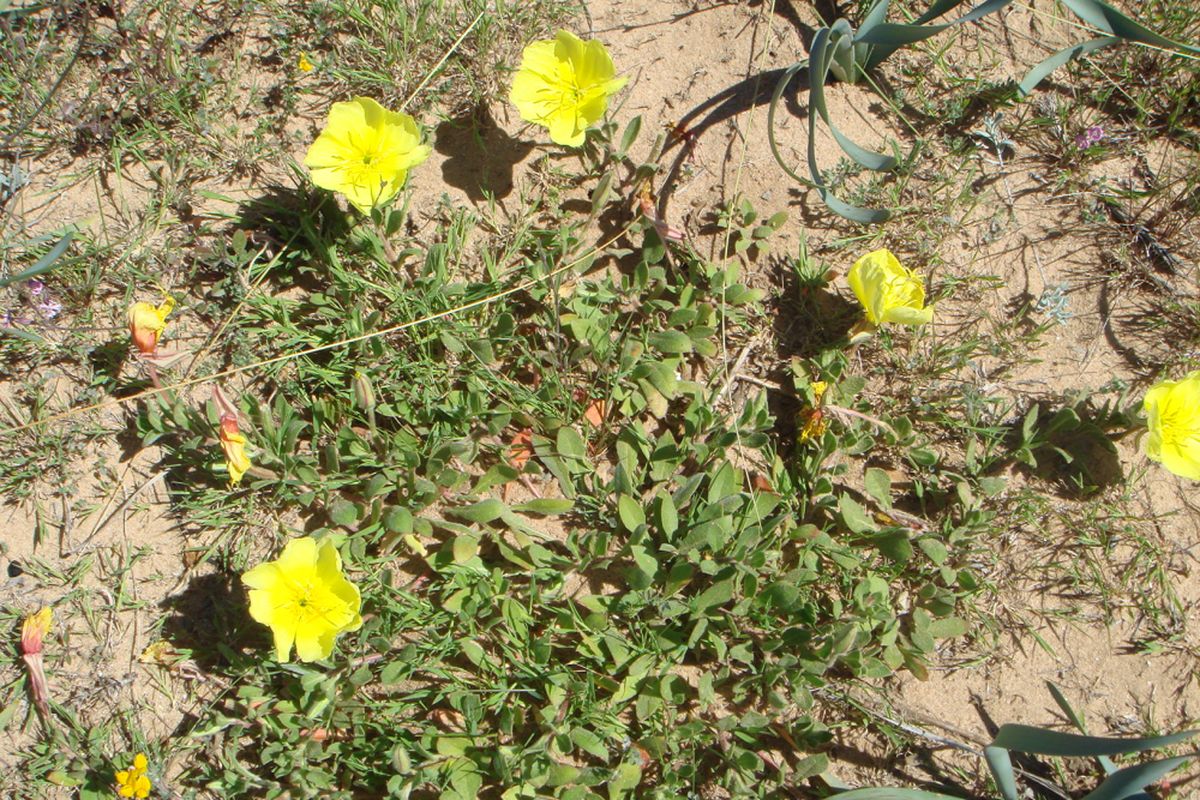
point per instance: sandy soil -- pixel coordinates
(699, 65)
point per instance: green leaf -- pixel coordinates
(545, 506)
(627, 777)
(631, 133)
(934, 549)
(343, 513)
(631, 513)
(452, 745)
(1107, 18)
(715, 595)
(854, 516)
(42, 265)
(548, 457)
(1105, 762)
(670, 342)
(668, 516)
(895, 545)
(1000, 763)
(947, 628)
(483, 511)
(465, 548)
(601, 193)
(1040, 72)
(889, 793)
(879, 486)
(1028, 739)
(1124, 783)
(572, 445)
(589, 742)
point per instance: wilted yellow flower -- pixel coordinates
(303, 64)
(888, 291)
(815, 422)
(35, 629)
(133, 782)
(304, 598)
(1173, 417)
(146, 322)
(234, 445)
(365, 152)
(564, 84)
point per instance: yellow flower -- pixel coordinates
(365, 152)
(888, 291)
(1173, 416)
(564, 85)
(234, 445)
(146, 322)
(304, 598)
(133, 782)
(34, 630)
(304, 64)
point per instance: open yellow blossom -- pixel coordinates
(133, 782)
(303, 64)
(146, 322)
(564, 85)
(233, 443)
(1173, 417)
(304, 598)
(365, 152)
(888, 291)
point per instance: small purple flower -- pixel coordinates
(36, 287)
(50, 308)
(1093, 135)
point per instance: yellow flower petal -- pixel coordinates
(888, 291)
(305, 598)
(365, 152)
(233, 444)
(564, 86)
(146, 322)
(1173, 419)
(34, 630)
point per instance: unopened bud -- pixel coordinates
(364, 393)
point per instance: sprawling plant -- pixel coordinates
(848, 54)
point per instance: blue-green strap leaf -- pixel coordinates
(1000, 763)
(1107, 18)
(889, 793)
(878, 13)
(1042, 71)
(819, 59)
(1038, 741)
(895, 34)
(1124, 782)
(775, 96)
(938, 9)
(822, 55)
(1105, 762)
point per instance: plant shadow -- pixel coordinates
(480, 155)
(211, 619)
